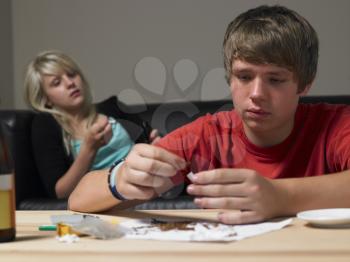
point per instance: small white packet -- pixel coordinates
(190, 176)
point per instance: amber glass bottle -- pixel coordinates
(7, 194)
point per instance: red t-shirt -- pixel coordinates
(318, 144)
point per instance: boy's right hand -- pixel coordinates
(146, 172)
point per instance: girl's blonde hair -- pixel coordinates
(54, 62)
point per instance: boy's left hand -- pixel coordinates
(256, 197)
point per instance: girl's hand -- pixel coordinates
(98, 134)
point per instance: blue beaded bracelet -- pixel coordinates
(111, 180)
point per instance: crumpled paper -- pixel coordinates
(196, 231)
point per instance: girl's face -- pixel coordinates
(64, 91)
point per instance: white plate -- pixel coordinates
(327, 217)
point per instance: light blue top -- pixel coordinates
(117, 148)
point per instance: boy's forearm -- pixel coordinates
(326, 191)
(66, 184)
(92, 193)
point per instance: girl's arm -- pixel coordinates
(95, 137)
(59, 174)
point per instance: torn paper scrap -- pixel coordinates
(195, 230)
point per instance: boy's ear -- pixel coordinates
(306, 90)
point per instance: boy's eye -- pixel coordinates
(244, 78)
(277, 80)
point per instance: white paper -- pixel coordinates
(197, 231)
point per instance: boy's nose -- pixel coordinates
(257, 91)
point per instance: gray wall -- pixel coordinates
(109, 38)
(6, 68)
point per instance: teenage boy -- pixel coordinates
(268, 157)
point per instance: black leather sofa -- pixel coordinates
(30, 193)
